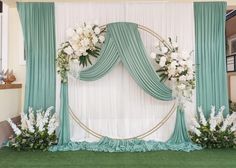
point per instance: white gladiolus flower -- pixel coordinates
(195, 130)
(164, 50)
(101, 39)
(195, 123)
(16, 130)
(153, 55)
(202, 117)
(70, 32)
(220, 117)
(23, 121)
(68, 50)
(97, 30)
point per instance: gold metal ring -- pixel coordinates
(147, 133)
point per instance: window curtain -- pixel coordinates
(210, 55)
(38, 24)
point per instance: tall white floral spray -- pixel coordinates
(36, 131)
(216, 132)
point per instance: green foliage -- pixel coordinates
(214, 139)
(232, 106)
(39, 140)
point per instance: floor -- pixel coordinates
(84, 159)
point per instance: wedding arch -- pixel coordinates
(123, 44)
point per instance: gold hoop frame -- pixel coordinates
(147, 133)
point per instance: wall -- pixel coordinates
(12, 99)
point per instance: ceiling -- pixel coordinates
(12, 3)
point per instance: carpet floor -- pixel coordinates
(85, 159)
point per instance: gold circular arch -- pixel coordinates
(146, 133)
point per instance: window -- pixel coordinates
(3, 35)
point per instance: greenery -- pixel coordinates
(36, 131)
(216, 132)
(39, 140)
(214, 139)
(214, 158)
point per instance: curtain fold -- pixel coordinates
(38, 24)
(124, 41)
(211, 86)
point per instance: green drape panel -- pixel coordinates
(123, 41)
(210, 55)
(64, 129)
(180, 134)
(38, 24)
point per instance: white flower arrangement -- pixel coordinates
(83, 41)
(36, 131)
(177, 67)
(216, 132)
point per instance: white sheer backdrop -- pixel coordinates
(115, 105)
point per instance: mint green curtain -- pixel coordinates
(210, 55)
(123, 43)
(38, 24)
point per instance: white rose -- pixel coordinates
(174, 55)
(85, 53)
(153, 55)
(181, 86)
(182, 78)
(79, 30)
(84, 42)
(162, 61)
(173, 64)
(97, 30)
(189, 77)
(171, 71)
(70, 32)
(164, 50)
(180, 69)
(101, 39)
(68, 50)
(182, 63)
(95, 40)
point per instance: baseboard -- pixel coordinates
(5, 129)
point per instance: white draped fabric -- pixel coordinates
(115, 105)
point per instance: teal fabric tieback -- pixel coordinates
(211, 86)
(38, 24)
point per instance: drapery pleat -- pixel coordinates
(180, 133)
(124, 42)
(38, 23)
(211, 74)
(64, 130)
